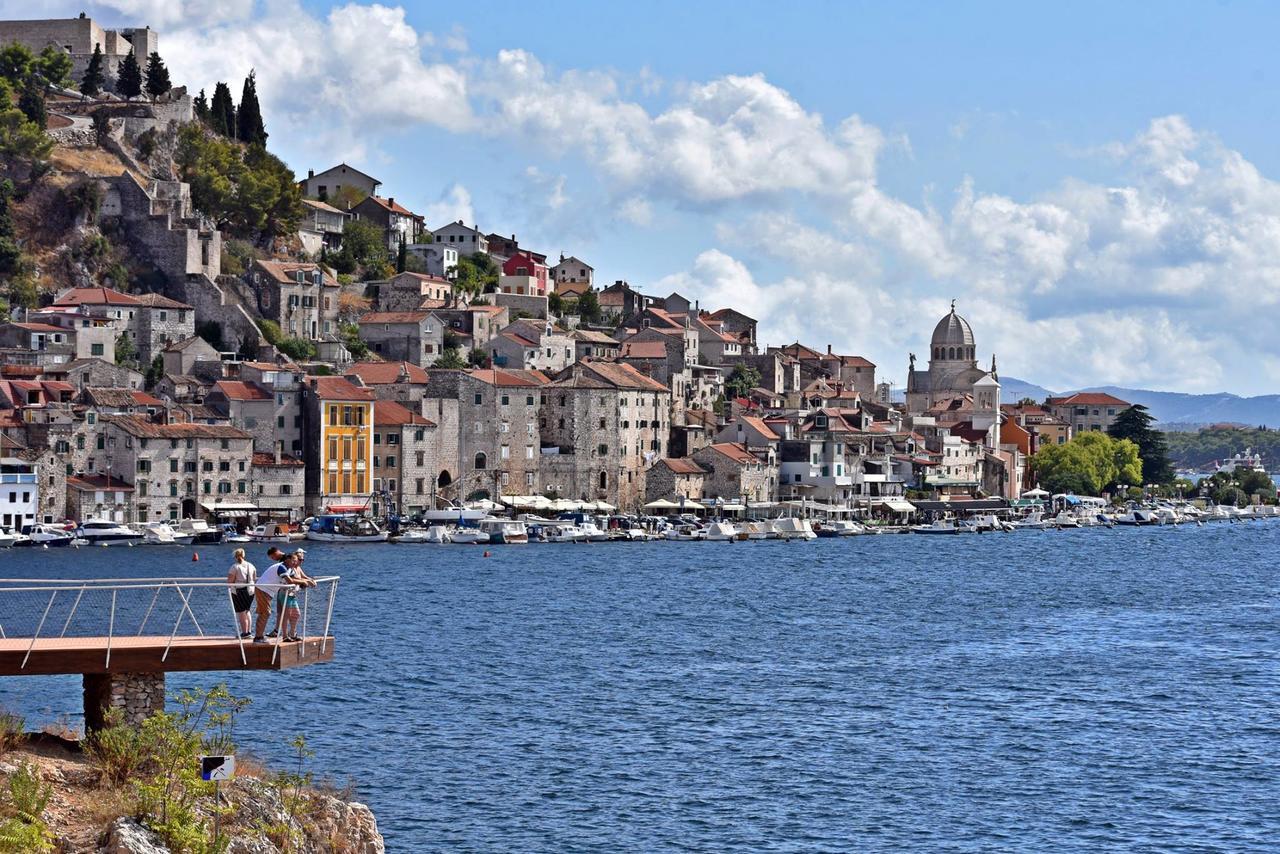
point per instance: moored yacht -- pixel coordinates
(200, 531)
(788, 528)
(721, 532)
(104, 532)
(48, 536)
(938, 526)
(504, 531)
(345, 529)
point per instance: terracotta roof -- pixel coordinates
(499, 377)
(286, 461)
(721, 313)
(393, 206)
(643, 350)
(388, 413)
(158, 301)
(519, 339)
(682, 465)
(283, 271)
(337, 388)
(312, 203)
(592, 374)
(394, 317)
(94, 482)
(759, 426)
(118, 397)
(39, 327)
(485, 309)
(234, 390)
(141, 398)
(385, 373)
(178, 346)
(735, 452)
(137, 426)
(1087, 398)
(799, 351)
(93, 296)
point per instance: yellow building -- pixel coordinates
(339, 445)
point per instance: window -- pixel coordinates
(420, 459)
(505, 452)
(393, 439)
(96, 350)
(173, 465)
(528, 452)
(391, 460)
(481, 461)
(505, 400)
(603, 450)
(477, 398)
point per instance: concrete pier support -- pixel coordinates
(136, 694)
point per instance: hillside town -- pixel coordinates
(297, 379)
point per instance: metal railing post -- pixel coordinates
(147, 615)
(52, 596)
(176, 623)
(324, 638)
(111, 627)
(306, 594)
(236, 625)
(74, 605)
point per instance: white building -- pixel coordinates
(574, 270)
(467, 241)
(19, 493)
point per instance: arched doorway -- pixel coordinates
(445, 479)
(189, 508)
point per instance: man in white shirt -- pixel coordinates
(272, 579)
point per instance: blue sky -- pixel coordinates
(1092, 181)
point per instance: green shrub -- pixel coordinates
(271, 332)
(22, 805)
(11, 731)
(298, 349)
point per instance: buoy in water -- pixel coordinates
(486, 553)
(195, 557)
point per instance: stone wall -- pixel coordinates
(212, 301)
(135, 694)
(533, 306)
(154, 229)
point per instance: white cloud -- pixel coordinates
(636, 211)
(453, 204)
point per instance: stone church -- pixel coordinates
(953, 372)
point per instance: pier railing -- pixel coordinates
(47, 614)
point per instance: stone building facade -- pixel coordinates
(404, 336)
(733, 473)
(673, 479)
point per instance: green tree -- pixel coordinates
(401, 256)
(250, 193)
(352, 341)
(1089, 464)
(126, 351)
(589, 307)
(31, 102)
(475, 274)
(249, 127)
(157, 76)
(741, 380)
(155, 371)
(555, 304)
(478, 358)
(452, 359)
(10, 251)
(16, 60)
(54, 66)
(91, 82)
(1134, 424)
(222, 111)
(363, 247)
(298, 349)
(129, 77)
(200, 106)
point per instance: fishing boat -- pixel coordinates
(685, 533)
(48, 536)
(469, 537)
(1033, 521)
(438, 534)
(504, 531)
(8, 538)
(788, 528)
(104, 532)
(565, 533)
(411, 536)
(271, 532)
(160, 534)
(336, 528)
(1066, 520)
(760, 530)
(721, 532)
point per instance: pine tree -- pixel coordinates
(129, 78)
(223, 111)
(157, 76)
(249, 127)
(201, 107)
(91, 83)
(31, 102)
(402, 257)
(1135, 424)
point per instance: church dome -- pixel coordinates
(952, 338)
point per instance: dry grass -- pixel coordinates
(91, 161)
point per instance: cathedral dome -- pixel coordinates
(952, 338)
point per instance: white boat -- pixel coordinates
(200, 531)
(985, 522)
(7, 538)
(343, 528)
(565, 533)
(789, 528)
(1033, 521)
(1165, 516)
(685, 533)
(160, 534)
(469, 537)
(271, 532)
(48, 536)
(411, 536)
(938, 526)
(591, 532)
(721, 532)
(1066, 520)
(438, 534)
(504, 531)
(454, 514)
(104, 532)
(762, 530)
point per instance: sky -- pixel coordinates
(1093, 183)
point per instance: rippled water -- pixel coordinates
(1034, 691)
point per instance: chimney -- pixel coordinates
(391, 201)
(828, 349)
(311, 173)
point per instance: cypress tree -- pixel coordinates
(223, 111)
(249, 127)
(402, 257)
(129, 79)
(201, 107)
(31, 102)
(1135, 424)
(157, 76)
(91, 83)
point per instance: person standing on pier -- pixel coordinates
(241, 575)
(269, 583)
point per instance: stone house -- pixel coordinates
(733, 473)
(572, 270)
(404, 336)
(299, 296)
(733, 322)
(180, 357)
(405, 467)
(497, 429)
(159, 322)
(621, 300)
(278, 484)
(750, 431)
(98, 496)
(398, 223)
(91, 336)
(467, 241)
(673, 479)
(182, 388)
(475, 324)
(532, 345)
(177, 470)
(329, 183)
(602, 426)
(591, 344)
(85, 373)
(321, 227)
(37, 344)
(409, 292)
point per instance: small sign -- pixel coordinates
(215, 768)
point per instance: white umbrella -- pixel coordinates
(1035, 493)
(662, 504)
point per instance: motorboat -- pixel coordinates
(411, 536)
(565, 533)
(592, 532)
(1033, 521)
(845, 528)
(1165, 516)
(341, 528)
(504, 531)
(47, 536)
(938, 526)
(456, 515)
(200, 531)
(271, 532)
(469, 537)
(104, 532)
(7, 538)
(985, 522)
(721, 532)
(788, 528)
(760, 530)
(438, 534)
(1066, 520)
(160, 534)
(231, 535)
(685, 533)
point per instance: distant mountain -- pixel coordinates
(1170, 407)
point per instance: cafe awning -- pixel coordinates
(897, 505)
(230, 509)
